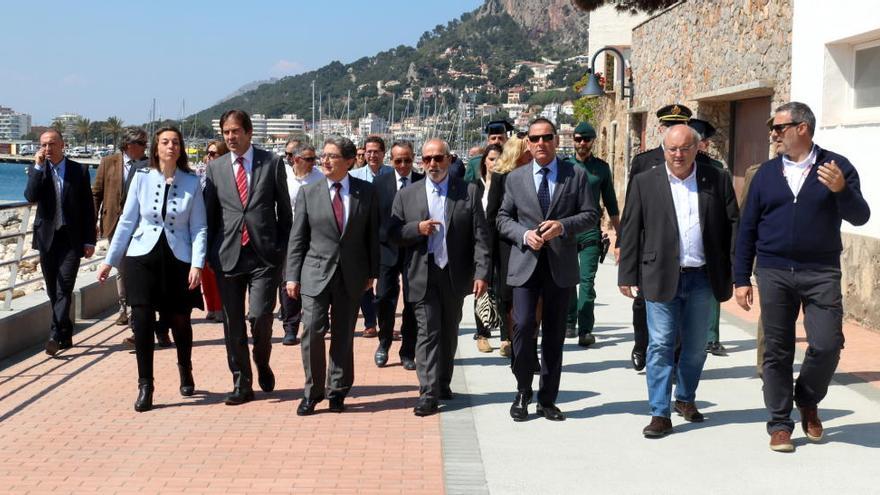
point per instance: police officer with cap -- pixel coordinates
(496, 133)
(581, 317)
(706, 130)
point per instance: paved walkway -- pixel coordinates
(67, 425)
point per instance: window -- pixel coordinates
(866, 76)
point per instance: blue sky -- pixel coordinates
(112, 58)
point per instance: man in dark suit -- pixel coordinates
(110, 190)
(675, 249)
(546, 205)
(332, 258)
(391, 262)
(64, 228)
(442, 224)
(249, 218)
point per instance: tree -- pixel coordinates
(82, 129)
(634, 6)
(58, 126)
(113, 128)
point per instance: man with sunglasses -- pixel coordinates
(496, 133)
(109, 191)
(791, 224)
(581, 317)
(391, 262)
(546, 206)
(300, 171)
(441, 223)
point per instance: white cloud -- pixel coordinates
(283, 68)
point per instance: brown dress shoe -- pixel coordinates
(129, 342)
(811, 423)
(689, 411)
(122, 319)
(780, 441)
(659, 427)
(370, 333)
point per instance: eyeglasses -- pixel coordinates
(682, 149)
(288, 154)
(212, 153)
(542, 137)
(780, 128)
(433, 158)
(331, 156)
(374, 152)
(580, 139)
(399, 161)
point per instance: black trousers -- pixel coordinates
(143, 324)
(554, 314)
(259, 282)
(60, 265)
(783, 293)
(387, 293)
(438, 316)
(291, 310)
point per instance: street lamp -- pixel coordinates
(593, 88)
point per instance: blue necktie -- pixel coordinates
(544, 191)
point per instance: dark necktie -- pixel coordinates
(402, 182)
(544, 191)
(241, 184)
(338, 207)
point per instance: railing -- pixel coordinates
(24, 230)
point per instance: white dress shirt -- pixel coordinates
(397, 178)
(346, 197)
(687, 213)
(248, 164)
(796, 172)
(126, 167)
(294, 183)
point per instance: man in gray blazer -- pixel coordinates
(442, 223)
(249, 219)
(333, 256)
(546, 205)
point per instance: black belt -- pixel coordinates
(692, 269)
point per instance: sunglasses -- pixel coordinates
(580, 139)
(542, 137)
(399, 161)
(780, 128)
(212, 153)
(310, 159)
(433, 158)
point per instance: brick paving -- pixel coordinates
(67, 425)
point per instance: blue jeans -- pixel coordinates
(685, 316)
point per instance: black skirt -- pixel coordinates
(160, 280)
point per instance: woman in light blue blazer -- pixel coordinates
(161, 239)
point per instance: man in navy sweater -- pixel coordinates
(791, 222)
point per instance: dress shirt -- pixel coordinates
(294, 183)
(397, 178)
(437, 212)
(248, 163)
(58, 179)
(366, 173)
(345, 191)
(552, 169)
(686, 200)
(126, 166)
(796, 172)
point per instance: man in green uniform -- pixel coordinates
(580, 311)
(496, 133)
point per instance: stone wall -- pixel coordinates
(860, 282)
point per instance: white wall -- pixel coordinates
(817, 25)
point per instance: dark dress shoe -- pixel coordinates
(337, 405)
(638, 359)
(289, 338)
(266, 379)
(187, 384)
(586, 340)
(551, 412)
(446, 394)
(163, 340)
(381, 357)
(144, 401)
(306, 407)
(52, 347)
(426, 407)
(408, 364)
(658, 427)
(65, 344)
(689, 411)
(239, 396)
(571, 332)
(519, 410)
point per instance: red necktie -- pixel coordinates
(338, 207)
(241, 184)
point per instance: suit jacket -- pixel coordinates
(267, 214)
(110, 193)
(467, 236)
(649, 247)
(386, 189)
(572, 205)
(76, 204)
(316, 247)
(141, 224)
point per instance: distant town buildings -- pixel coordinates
(372, 124)
(271, 129)
(13, 125)
(68, 122)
